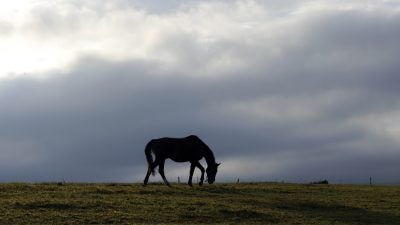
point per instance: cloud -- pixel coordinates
(296, 91)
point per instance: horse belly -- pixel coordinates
(185, 156)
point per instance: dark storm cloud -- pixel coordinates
(312, 96)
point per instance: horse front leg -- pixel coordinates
(192, 167)
(202, 172)
(161, 171)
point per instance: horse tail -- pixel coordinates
(149, 157)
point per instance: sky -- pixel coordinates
(293, 90)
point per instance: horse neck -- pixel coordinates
(209, 156)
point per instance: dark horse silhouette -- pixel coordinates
(189, 149)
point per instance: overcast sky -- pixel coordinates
(292, 90)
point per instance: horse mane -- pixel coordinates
(208, 154)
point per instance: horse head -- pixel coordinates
(212, 172)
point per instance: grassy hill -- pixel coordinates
(248, 203)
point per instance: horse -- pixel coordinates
(189, 149)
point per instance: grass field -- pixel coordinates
(248, 203)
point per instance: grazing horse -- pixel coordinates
(189, 149)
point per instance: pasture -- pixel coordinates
(247, 203)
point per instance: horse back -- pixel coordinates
(190, 148)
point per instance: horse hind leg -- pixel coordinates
(150, 170)
(161, 171)
(146, 179)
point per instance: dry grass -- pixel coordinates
(251, 203)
